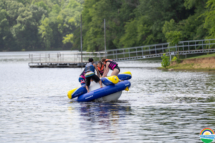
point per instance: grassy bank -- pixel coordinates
(203, 56)
(203, 63)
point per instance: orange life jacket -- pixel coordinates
(100, 68)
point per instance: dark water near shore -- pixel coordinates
(161, 106)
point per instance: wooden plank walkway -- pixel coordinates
(56, 64)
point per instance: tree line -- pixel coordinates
(38, 24)
(55, 24)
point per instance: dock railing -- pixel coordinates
(132, 53)
(157, 50)
(64, 57)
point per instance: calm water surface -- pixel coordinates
(161, 106)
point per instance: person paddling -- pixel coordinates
(112, 65)
(100, 67)
(90, 74)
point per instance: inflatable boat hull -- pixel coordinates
(102, 92)
(109, 98)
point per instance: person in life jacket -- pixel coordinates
(82, 78)
(100, 67)
(112, 65)
(90, 74)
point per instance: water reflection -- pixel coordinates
(106, 114)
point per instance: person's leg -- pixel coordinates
(97, 79)
(87, 87)
(87, 83)
(100, 82)
(115, 72)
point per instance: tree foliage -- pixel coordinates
(38, 24)
(55, 24)
(210, 19)
(140, 22)
(165, 61)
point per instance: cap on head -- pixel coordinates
(90, 59)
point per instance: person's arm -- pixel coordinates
(106, 70)
(103, 71)
(96, 70)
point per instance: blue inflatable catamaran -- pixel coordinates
(111, 91)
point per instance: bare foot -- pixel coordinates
(101, 86)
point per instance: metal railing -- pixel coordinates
(131, 53)
(157, 50)
(74, 57)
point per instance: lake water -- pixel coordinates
(161, 106)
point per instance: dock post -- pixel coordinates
(81, 42)
(105, 38)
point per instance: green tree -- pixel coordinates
(68, 38)
(170, 31)
(4, 30)
(165, 61)
(210, 19)
(46, 33)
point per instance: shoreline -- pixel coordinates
(200, 63)
(185, 69)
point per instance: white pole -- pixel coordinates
(81, 41)
(105, 38)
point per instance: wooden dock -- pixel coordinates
(62, 60)
(56, 65)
